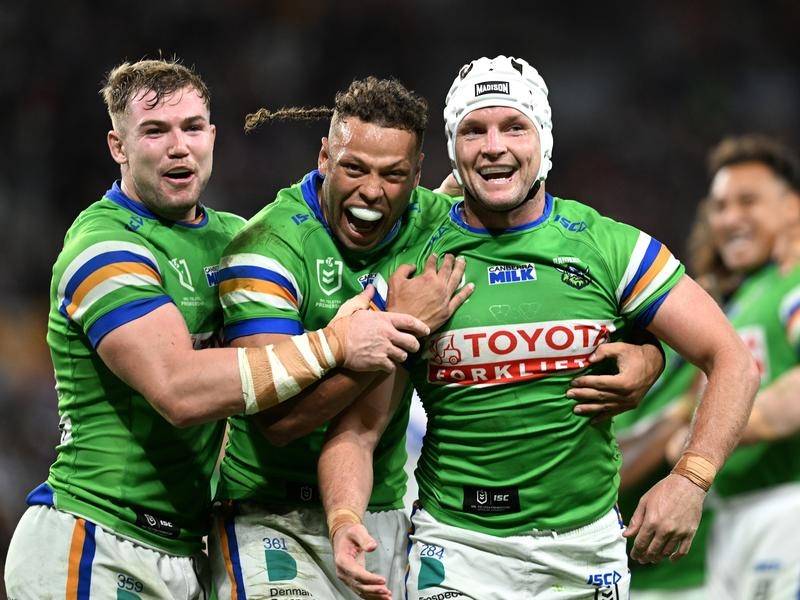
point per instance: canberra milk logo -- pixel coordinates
(499, 274)
(492, 87)
(329, 275)
(212, 272)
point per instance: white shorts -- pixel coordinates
(754, 548)
(56, 555)
(259, 554)
(449, 562)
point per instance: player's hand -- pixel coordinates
(377, 341)
(358, 302)
(350, 545)
(666, 520)
(603, 396)
(431, 296)
(450, 187)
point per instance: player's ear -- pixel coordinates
(117, 147)
(324, 157)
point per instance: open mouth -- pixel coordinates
(363, 221)
(497, 175)
(179, 174)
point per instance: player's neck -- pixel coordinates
(191, 216)
(479, 216)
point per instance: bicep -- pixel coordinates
(692, 323)
(145, 351)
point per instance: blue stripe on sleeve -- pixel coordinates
(123, 314)
(99, 261)
(87, 557)
(379, 301)
(252, 272)
(280, 325)
(233, 552)
(646, 316)
(649, 256)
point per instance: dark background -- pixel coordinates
(639, 93)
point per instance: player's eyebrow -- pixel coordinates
(162, 123)
(358, 159)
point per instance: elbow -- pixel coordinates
(175, 410)
(278, 438)
(280, 434)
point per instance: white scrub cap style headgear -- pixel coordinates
(500, 81)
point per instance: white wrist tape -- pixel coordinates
(277, 372)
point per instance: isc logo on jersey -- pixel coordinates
(500, 274)
(511, 353)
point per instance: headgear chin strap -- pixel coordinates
(500, 81)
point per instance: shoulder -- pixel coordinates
(576, 217)
(427, 204)
(227, 221)
(104, 232)
(426, 214)
(287, 219)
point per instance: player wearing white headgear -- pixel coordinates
(517, 492)
(501, 81)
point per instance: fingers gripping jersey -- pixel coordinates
(119, 463)
(766, 313)
(504, 452)
(283, 274)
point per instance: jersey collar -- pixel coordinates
(456, 215)
(117, 196)
(310, 186)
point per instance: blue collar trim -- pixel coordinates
(117, 196)
(457, 218)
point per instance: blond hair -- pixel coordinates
(161, 77)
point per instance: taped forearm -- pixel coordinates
(277, 372)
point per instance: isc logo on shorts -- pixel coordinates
(606, 584)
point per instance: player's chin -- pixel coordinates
(497, 201)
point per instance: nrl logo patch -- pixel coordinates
(329, 275)
(182, 269)
(492, 87)
(573, 271)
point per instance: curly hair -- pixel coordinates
(782, 161)
(384, 102)
(162, 77)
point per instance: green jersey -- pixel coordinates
(119, 462)
(765, 311)
(689, 572)
(283, 274)
(504, 453)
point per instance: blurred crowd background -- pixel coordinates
(639, 92)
